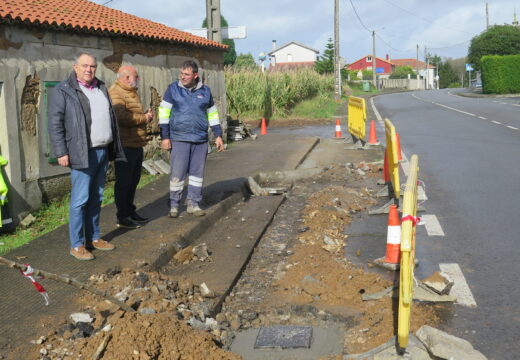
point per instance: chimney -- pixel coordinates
(387, 57)
(274, 44)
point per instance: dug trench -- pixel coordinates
(274, 260)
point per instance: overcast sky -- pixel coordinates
(443, 26)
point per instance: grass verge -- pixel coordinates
(52, 215)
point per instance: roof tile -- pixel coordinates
(95, 18)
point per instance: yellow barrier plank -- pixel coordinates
(357, 116)
(393, 160)
(408, 226)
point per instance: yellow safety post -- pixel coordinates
(392, 157)
(408, 222)
(357, 116)
(3, 187)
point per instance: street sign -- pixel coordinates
(231, 32)
(469, 67)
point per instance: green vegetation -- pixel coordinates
(497, 40)
(325, 63)
(252, 93)
(245, 61)
(402, 72)
(51, 216)
(318, 107)
(501, 74)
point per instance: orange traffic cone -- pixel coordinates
(399, 156)
(263, 128)
(372, 138)
(338, 129)
(393, 237)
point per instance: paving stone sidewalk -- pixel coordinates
(22, 309)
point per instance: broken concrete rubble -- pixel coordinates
(446, 346)
(439, 282)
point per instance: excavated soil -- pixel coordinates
(298, 275)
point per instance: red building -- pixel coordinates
(383, 67)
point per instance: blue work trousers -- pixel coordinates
(187, 159)
(86, 197)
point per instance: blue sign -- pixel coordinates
(469, 67)
(380, 70)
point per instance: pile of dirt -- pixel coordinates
(157, 330)
(315, 283)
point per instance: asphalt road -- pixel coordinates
(469, 152)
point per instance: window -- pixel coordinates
(369, 58)
(289, 57)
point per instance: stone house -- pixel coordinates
(39, 41)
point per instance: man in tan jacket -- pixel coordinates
(132, 125)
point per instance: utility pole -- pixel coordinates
(374, 63)
(213, 19)
(426, 70)
(487, 16)
(337, 66)
(417, 65)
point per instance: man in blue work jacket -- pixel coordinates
(185, 113)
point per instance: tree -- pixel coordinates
(245, 61)
(230, 55)
(325, 62)
(447, 75)
(402, 72)
(497, 40)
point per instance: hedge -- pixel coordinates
(500, 74)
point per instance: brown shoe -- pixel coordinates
(81, 253)
(101, 244)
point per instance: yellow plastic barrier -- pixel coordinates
(392, 157)
(408, 224)
(357, 116)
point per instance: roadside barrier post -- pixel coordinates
(408, 227)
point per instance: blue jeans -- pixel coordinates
(86, 196)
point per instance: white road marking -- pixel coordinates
(482, 117)
(378, 116)
(515, 104)
(512, 127)
(449, 107)
(496, 122)
(433, 226)
(405, 164)
(460, 288)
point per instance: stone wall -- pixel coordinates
(33, 60)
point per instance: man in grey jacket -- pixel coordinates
(83, 131)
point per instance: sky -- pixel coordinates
(444, 27)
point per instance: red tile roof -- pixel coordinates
(411, 62)
(86, 16)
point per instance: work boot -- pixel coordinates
(128, 223)
(195, 210)
(173, 213)
(101, 244)
(81, 253)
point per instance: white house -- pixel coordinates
(292, 55)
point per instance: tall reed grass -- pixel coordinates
(272, 93)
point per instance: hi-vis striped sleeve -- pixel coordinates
(165, 109)
(213, 116)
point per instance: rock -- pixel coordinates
(360, 172)
(439, 282)
(235, 324)
(141, 278)
(184, 255)
(198, 325)
(123, 294)
(113, 271)
(205, 291)
(85, 329)
(41, 340)
(186, 286)
(220, 317)
(147, 311)
(303, 229)
(328, 240)
(27, 221)
(201, 310)
(248, 315)
(312, 286)
(81, 317)
(446, 346)
(201, 251)
(423, 293)
(211, 324)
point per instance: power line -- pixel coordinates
(106, 2)
(449, 46)
(359, 19)
(424, 19)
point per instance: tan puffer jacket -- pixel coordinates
(129, 113)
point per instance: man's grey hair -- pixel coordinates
(84, 54)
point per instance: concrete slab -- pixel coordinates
(284, 337)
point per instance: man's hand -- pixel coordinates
(166, 144)
(64, 160)
(149, 115)
(220, 144)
